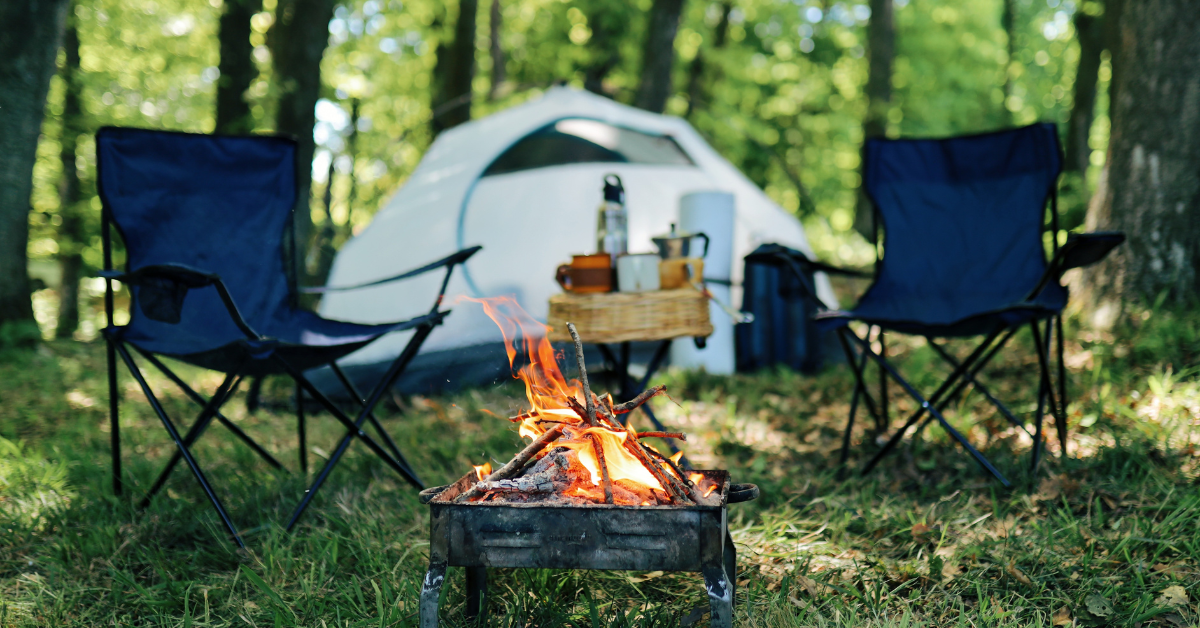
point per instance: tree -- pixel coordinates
(1008, 21)
(1088, 30)
(236, 67)
(71, 236)
(658, 58)
(1152, 187)
(881, 53)
(30, 31)
(695, 89)
(298, 42)
(495, 24)
(454, 71)
(607, 23)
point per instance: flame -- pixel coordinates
(545, 387)
(710, 490)
(677, 457)
(547, 392)
(483, 470)
(622, 465)
(696, 478)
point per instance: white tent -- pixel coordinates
(531, 219)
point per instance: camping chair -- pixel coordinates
(203, 219)
(963, 257)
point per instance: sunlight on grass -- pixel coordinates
(1110, 536)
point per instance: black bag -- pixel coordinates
(783, 331)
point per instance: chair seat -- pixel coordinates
(302, 338)
(923, 315)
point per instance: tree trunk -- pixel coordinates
(453, 77)
(298, 41)
(658, 56)
(1008, 21)
(604, 47)
(1152, 187)
(881, 52)
(696, 92)
(499, 73)
(29, 37)
(71, 231)
(1088, 30)
(236, 67)
(1111, 32)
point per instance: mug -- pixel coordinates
(680, 272)
(637, 273)
(586, 274)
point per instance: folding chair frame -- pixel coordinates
(858, 352)
(211, 407)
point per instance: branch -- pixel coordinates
(583, 378)
(514, 465)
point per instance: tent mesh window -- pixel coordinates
(579, 140)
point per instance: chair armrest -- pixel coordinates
(1085, 249)
(163, 287)
(446, 262)
(1081, 249)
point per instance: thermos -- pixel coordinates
(612, 220)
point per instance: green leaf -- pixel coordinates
(1098, 605)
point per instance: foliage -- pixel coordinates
(784, 97)
(1106, 537)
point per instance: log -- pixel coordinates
(671, 489)
(675, 435)
(605, 480)
(513, 466)
(583, 378)
(636, 402)
(683, 478)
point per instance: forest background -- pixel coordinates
(786, 90)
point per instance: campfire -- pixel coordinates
(580, 453)
(586, 493)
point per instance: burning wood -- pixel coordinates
(581, 453)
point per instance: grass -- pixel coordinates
(1109, 536)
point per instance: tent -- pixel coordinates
(525, 183)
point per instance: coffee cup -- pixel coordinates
(680, 272)
(637, 273)
(586, 274)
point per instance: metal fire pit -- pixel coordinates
(479, 535)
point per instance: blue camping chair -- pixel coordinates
(203, 220)
(963, 220)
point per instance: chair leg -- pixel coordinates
(354, 428)
(383, 434)
(882, 421)
(930, 405)
(1061, 420)
(301, 432)
(224, 391)
(202, 402)
(183, 450)
(970, 378)
(114, 420)
(851, 359)
(1039, 415)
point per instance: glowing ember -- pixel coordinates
(607, 462)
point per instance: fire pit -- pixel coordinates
(586, 493)
(478, 535)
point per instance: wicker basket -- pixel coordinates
(630, 316)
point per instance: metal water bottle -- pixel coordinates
(612, 221)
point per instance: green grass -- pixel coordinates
(926, 540)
